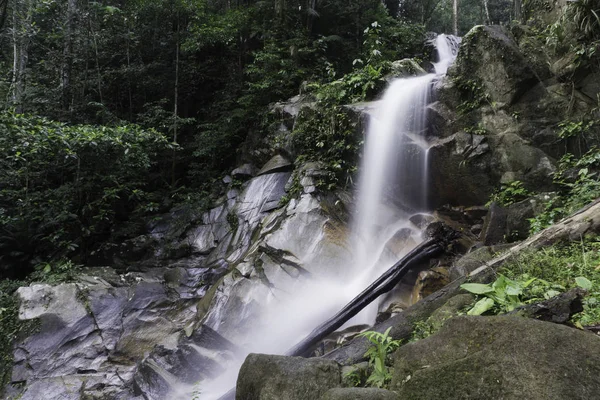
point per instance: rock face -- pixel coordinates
(496, 116)
(148, 333)
(92, 335)
(499, 358)
(491, 57)
(264, 377)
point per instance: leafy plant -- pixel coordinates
(579, 185)
(586, 15)
(510, 193)
(559, 268)
(383, 344)
(573, 129)
(63, 187)
(504, 293)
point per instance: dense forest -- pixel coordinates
(171, 169)
(115, 111)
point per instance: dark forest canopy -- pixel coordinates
(194, 78)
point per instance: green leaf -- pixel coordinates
(477, 288)
(513, 289)
(583, 282)
(551, 293)
(481, 306)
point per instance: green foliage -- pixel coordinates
(422, 330)
(60, 271)
(510, 193)
(63, 187)
(568, 129)
(478, 129)
(327, 132)
(330, 135)
(586, 16)
(382, 345)
(559, 268)
(356, 377)
(504, 294)
(473, 93)
(578, 182)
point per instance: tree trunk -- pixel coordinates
(455, 16)
(487, 12)
(3, 13)
(67, 64)
(176, 99)
(21, 37)
(518, 10)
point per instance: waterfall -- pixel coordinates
(392, 187)
(393, 183)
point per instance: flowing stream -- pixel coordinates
(392, 188)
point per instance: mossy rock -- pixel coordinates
(499, 358)
(267, 377)
(359, 394)
(489, 61)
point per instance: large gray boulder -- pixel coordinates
(466, 168)
(499, 358)
(268, 377)
(490, 57)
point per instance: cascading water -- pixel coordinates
(393, 183)
(392, 187)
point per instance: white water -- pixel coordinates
(392, 187)
(394, 169)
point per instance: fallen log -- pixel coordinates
(439, 236)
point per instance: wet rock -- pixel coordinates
(359, 394)
(244, 171)
(494, 226)
(460, 170)
(439, 120)
(266, 377)
(429, 281)
(405, 68)
(66, 328)
(499, 357)
(276, 164)
(398, 243)
(421, 220)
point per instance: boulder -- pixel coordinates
(466, 168)
(490, 57)
(460, 170)
(359, 394)
(244, 171)
(494, 225)
(269, 377)
(449, 310)
(406, 67)
(276, 164)
(500, 357)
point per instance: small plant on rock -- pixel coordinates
(383, 344)
(504, 293)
